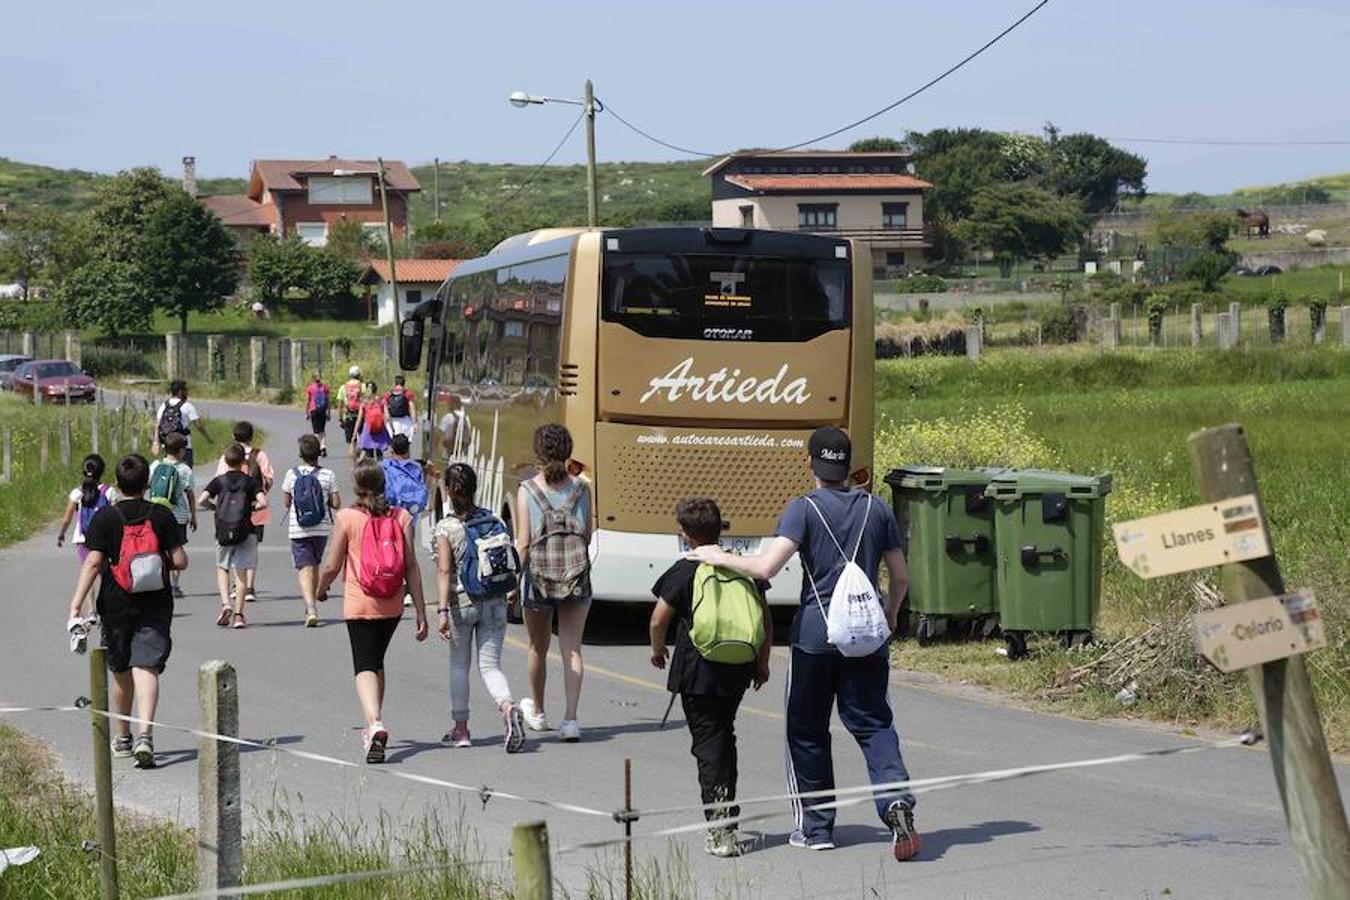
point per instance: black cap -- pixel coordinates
(830, 451)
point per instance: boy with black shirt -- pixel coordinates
(236, 533)
(136, 622)
(710, 692)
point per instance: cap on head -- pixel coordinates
(831, 451)
(354, 372)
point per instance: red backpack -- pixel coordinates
(140, 563)
(352, 391)
(374, 416)
(382, 573)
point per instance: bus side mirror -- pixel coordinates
(410, 344)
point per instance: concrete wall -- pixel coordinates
(780, 210)
(384, 298)
(1298, 259)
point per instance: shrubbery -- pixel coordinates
(101, 362)
(1059, 324)
(922, 284)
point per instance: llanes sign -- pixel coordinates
(1213, 534)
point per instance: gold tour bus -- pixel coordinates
(684, 361)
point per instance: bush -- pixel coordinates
(101, 362)
(32, 316)
(923, 284)
(1276, 304)
(1208, 269)
(1157, 310)
(1059, 324)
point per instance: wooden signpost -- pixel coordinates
(1200, 537)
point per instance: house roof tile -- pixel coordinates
(237, 209)
(774, 184)
(427, 271)
(279, 174)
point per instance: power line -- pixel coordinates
(865, 119)
(1228, 143)
(497, 207)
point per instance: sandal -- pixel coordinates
(223, 619)
(239, 621)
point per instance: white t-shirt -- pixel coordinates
(181, 513)
(187, 411)
(77, 494)
(327, 483)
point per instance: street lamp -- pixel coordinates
(520, 100)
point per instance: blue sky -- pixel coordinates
(109, 85)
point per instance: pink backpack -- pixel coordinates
(382, 573)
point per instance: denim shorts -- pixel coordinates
(532, 599)
(308, 551)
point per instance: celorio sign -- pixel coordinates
(726, 386)
(1226, 531)
(1260, 631)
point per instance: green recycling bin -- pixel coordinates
(947, 524)
(1050, 538)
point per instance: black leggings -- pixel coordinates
(370, 639)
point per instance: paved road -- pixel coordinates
(1205, 825)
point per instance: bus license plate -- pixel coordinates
(741, 546)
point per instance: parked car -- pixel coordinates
(8, 363)
(58, 380)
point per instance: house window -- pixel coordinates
(894, 215)
(355, 190)
(816, 215)
(514, 329)
(895, 259)
(315, 234)
(412, 298)
(747, 217)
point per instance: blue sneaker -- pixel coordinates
(812, 842)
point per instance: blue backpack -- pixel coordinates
(87, 513)
(405, 485)
(307, 498)
(490, 566)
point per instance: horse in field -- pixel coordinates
(1255, 222)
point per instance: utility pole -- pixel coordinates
(389, 245)
(588, 98)
(1223, 468)
(436, 188)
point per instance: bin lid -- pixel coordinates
(940, 478)
(1033, 482)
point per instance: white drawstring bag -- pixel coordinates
(856, 621)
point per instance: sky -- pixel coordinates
(109, 85)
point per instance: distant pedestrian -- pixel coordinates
(372, 548)
(318, 403)
(830, 527)
(398, 404)
(259, 467)
(132, 546)
(177, 414)
(171, 485)
(352, 390)
(553, 537)
(310, 494)
(737, 643)
(476, 568)
(233, 496)
(83, 503)
(371, 426)
(405, 484)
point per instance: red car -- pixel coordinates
(59, 380)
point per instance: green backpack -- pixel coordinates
(164, 488)
(728, 621)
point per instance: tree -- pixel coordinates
(97, 294)
(1018, 221)
(30, 245)
(876, 145)
(276, 266)
(187, 257)
(352, 241)
(1194, 231)
(327, 275)
(1088, 167)
(122, 206)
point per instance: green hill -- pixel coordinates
(630, 192)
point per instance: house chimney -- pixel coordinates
(190, 175)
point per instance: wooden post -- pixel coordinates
(65, 442)
(103, 801)
(219, 807)
(1197, 325)
(257, 362)
(298, 364)
(44, 450)
(628, 829)
(1223, 468)
(8, 471)
(93, 426)
(172, 356)
(1345, 326)
(529, 857)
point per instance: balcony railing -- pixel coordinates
(903, 237)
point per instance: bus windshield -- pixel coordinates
(725, 296)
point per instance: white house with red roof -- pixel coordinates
(418, 280)
(872, 196)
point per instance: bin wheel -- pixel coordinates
(1072, 640)
(924, 632)
(986, 627)
(1017, 644)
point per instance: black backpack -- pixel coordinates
(397, 404)
(234, 511)
(171, 421)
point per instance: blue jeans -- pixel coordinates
(815, 682)
(482, 623)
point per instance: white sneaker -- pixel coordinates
(407, 600)
(535, 720)
(569, 731)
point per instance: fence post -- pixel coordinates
(215, 356)
(65, 442)
(529, 857)
(1223, 468)
(1197, 325)
(8, 471)
(93, 424)
(1111, 332)
(30, 344)
(297, 364)
(172, 359)
(1224, 331)
(44, 450)
(334, 351)
(1235, 320)
(1345, 327)
(74, 352)
(257, 348)
(974, 335)
(103, 801)
(219, 808)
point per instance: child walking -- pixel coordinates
(310, 494)
(472, 603)
(171, 485)
(234, 496)
(372, 548)
(372, 433)
(259, 467)
(83, 504)
(711, 690)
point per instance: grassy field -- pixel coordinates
(34, 498)
(1129, 414)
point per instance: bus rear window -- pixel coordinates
(717, 296)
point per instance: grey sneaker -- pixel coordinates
(121, 746)
(905, 840)
(723, 843)
(515, 729)
(144, 751)
(810, 842)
